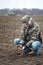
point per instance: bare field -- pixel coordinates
(9, 30)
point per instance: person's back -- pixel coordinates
(30, 32)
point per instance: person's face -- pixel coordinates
(26, 24)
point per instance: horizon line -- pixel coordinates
(22, 8)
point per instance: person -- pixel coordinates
(30, 37)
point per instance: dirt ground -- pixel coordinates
(9, 30)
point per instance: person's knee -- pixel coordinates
(16, 41)
(36, 45)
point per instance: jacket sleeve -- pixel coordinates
(22, 36)
(23, 32)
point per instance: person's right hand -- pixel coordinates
(19, 47)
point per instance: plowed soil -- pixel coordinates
(9, 30)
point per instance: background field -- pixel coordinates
(9, 30)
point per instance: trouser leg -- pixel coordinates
(36, 46)
(17, 41)
(36, 52)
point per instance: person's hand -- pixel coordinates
(19, 47)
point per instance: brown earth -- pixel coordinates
(9, 30)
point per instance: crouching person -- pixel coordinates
(30, 36)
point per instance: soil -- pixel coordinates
(9, 30)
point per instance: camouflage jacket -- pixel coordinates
(30, 33)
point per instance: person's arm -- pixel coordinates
(23, 32)
(22, 36)
(29, 43)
